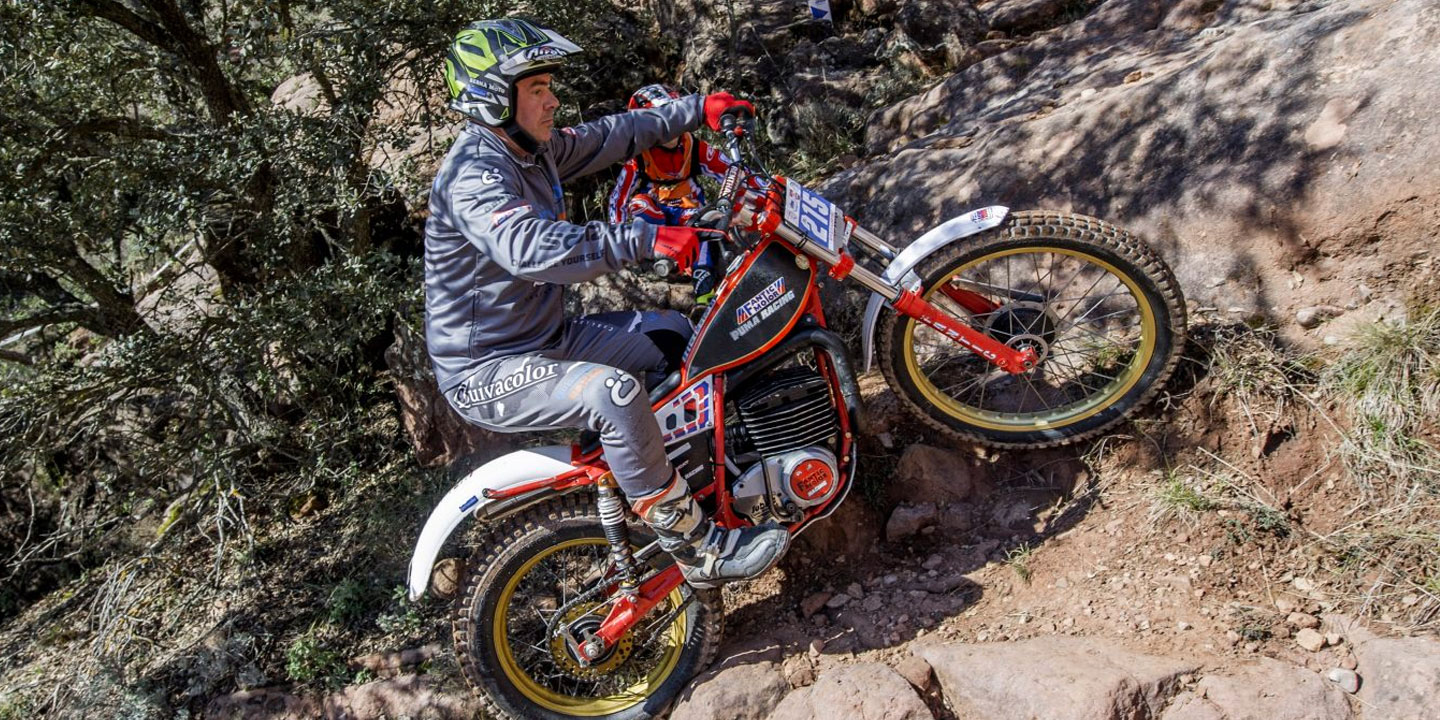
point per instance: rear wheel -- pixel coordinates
(526, 578)
(1101, 310)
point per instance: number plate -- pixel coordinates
(815, 217)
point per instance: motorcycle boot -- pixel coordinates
(708, 555)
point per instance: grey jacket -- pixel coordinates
(498, 248)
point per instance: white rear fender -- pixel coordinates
(899, 270)
(468, 498)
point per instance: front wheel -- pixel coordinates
(1101, 310)
(525, 578)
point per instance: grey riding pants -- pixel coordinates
(596, 376)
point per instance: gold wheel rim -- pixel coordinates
(570, 704)
(1059, 417)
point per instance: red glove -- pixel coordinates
(720, 103)
(681, 244)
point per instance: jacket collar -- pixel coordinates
(497, 141)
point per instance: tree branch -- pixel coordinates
(221, 96)
(171, 32)
(15, 357)
(49, 316)
(121, 126)
(145, 29)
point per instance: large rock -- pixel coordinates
(1265, 690)
(411, 696)
(867, 691)
(1399, 678)
(948, 25)
(1027, 15)
(906, 520)
(852, 530)
(739, 692)
(932, 475)
(1242, 149)
(1053, 677)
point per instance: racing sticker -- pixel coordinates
(690, 412)
(761, 306)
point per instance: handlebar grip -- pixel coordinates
(663, 266)
(736, 117)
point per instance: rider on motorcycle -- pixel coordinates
(498, 251)
(660, 184)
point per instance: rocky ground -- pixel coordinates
(1228, 554)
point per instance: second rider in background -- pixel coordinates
(661, 185)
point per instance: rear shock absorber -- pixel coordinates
(612, 518)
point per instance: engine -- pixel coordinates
(784, 440)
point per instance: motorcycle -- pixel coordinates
(1012, 329)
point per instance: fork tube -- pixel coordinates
(873, 241)
(745, 218)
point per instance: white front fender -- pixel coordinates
(899, 270)
(468, 497)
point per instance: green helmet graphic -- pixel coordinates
(489, 57)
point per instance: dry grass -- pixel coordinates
(1388, 555)
(1263, 378)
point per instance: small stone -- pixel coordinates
(1182, 626)
(1232, 637)
(1303, 584)
(1087, 92)
(916, 671)
(855, 591)
(1252, 646)
(886, 440)
(890, 579)
(445, 579)
(1310, 640)
(1349, 662)
(839, 600)
(1135, 77)
(1284, 604)
(1204, 561)
(1333, 639)
(1311, 317)
(1302, 620)
(873, 603)
(1347, 680)
(811, 605)
(932, 562)
(1410, 600)
(798, 671)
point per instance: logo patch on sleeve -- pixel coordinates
(504, 215)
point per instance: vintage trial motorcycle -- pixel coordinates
(1015, 329)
